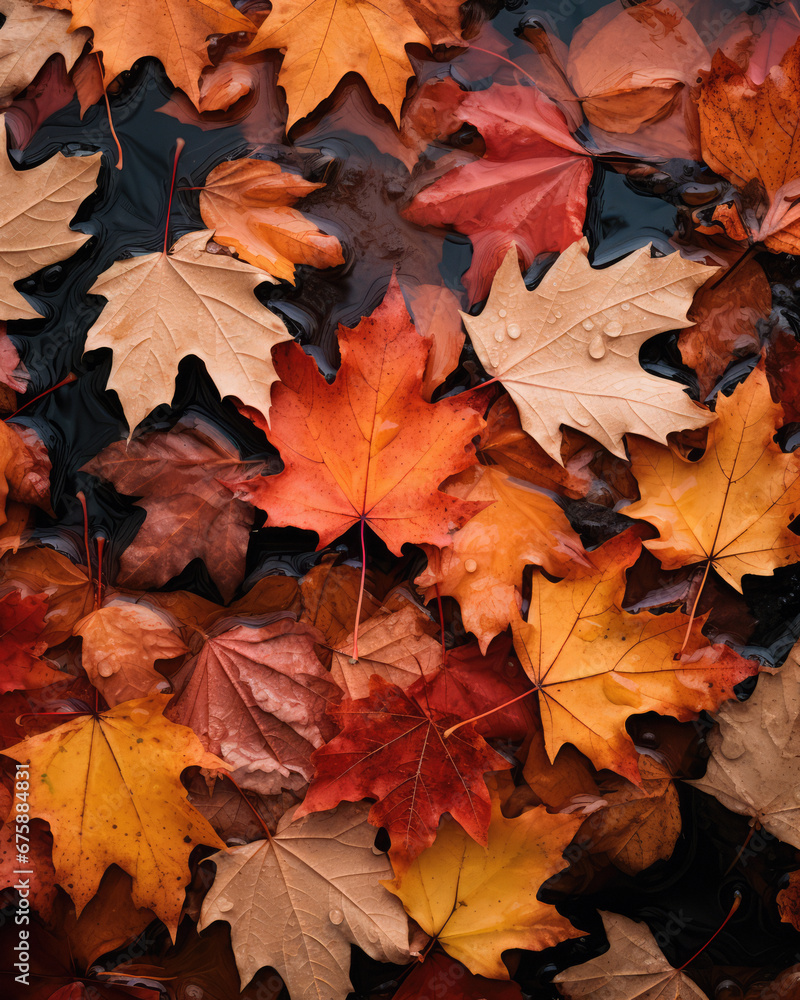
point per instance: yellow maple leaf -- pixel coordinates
(109, 786)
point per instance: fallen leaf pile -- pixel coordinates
(399, 500)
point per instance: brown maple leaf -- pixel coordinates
(177, 476)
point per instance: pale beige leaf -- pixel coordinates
(35, 209)
(633, 968)
(568, 352)
(29, 36)
(298, 901)
(755, 753)
(162, 308)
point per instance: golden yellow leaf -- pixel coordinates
(568, 352)
(479, 901)
(109, 786)
(595, 665)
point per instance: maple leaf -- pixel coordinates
(177, 476)
(482, 567)
(173, 31)
(43, 889)
(325, 39)
(632, 969)
(204, 963)
(435, 310)
(330, 599)
(21, 629)
(633, 826)
(367, 448)
(401, 646)
(529, 188)
(121, 643)
(725, 315)
(257, 696)
(29, 36)
(503, 442)
(480, 901)
(624, 87)
(107, 923)
(196, 615)
(568, 352)
(36, 208)
(299, 900)
(70, 593)
(595, 665)
(749, 136)
(162, 307)
(109, 787)
(392, 748)
(755, 764)
(470, 682)
(427, 978)
(730, 509)
(248, 204)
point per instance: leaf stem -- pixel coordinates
(82, 501)
(458, 725)
(360, 589)
(108, 111)
(693, 612)
(178, 147)
(441, 624)
(505, 59)
(248, 803)
(737, 899)
(64, 381)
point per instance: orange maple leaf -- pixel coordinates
(732, 508)
(749, 136)
(367, 448)
(173, 31)
(595, 664)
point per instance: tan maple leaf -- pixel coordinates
(35, 209)
(299, 900)
(163, 307)
(29, 36)
(568, 352)
(632, 969)
(754, 768)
